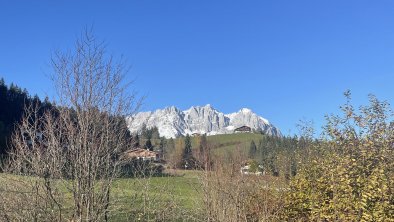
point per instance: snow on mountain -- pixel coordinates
(173, 122)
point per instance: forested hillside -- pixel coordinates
(12, 102)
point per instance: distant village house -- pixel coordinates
(141, 154)
(243, 129)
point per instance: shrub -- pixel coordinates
(347, 176)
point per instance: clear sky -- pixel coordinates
(285, 60)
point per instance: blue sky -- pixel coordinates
(285, 60)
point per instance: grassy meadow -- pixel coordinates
(177, 192)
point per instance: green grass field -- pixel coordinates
(131, 197)
(230, 142)
(183, 188)
(181, 192)
(178, 190)
(226, 145)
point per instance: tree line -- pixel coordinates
(13, 100)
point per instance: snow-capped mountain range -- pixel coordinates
(173, 122)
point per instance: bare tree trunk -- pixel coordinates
(76, 145)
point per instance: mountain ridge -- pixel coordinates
(173, 122)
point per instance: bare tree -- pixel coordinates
(229, 195)
(74, 148)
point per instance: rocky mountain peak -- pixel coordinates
(245, 110)
(173, 122)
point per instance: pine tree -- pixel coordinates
(252, 150)
(188, 148)
(162, 143)
(154, 133)
(148, 145)
(188, 158)
(144, 132)
(136, 141)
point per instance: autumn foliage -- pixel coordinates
(348, 173)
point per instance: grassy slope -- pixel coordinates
(227, 144)
(230, 142)
(183, 189)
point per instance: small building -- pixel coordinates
(140, 154)
(243, 129)
(138, 162)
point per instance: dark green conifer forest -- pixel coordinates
(13, 100)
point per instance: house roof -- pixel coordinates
(243, 128)
(138, 153)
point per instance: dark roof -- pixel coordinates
(243, 128)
